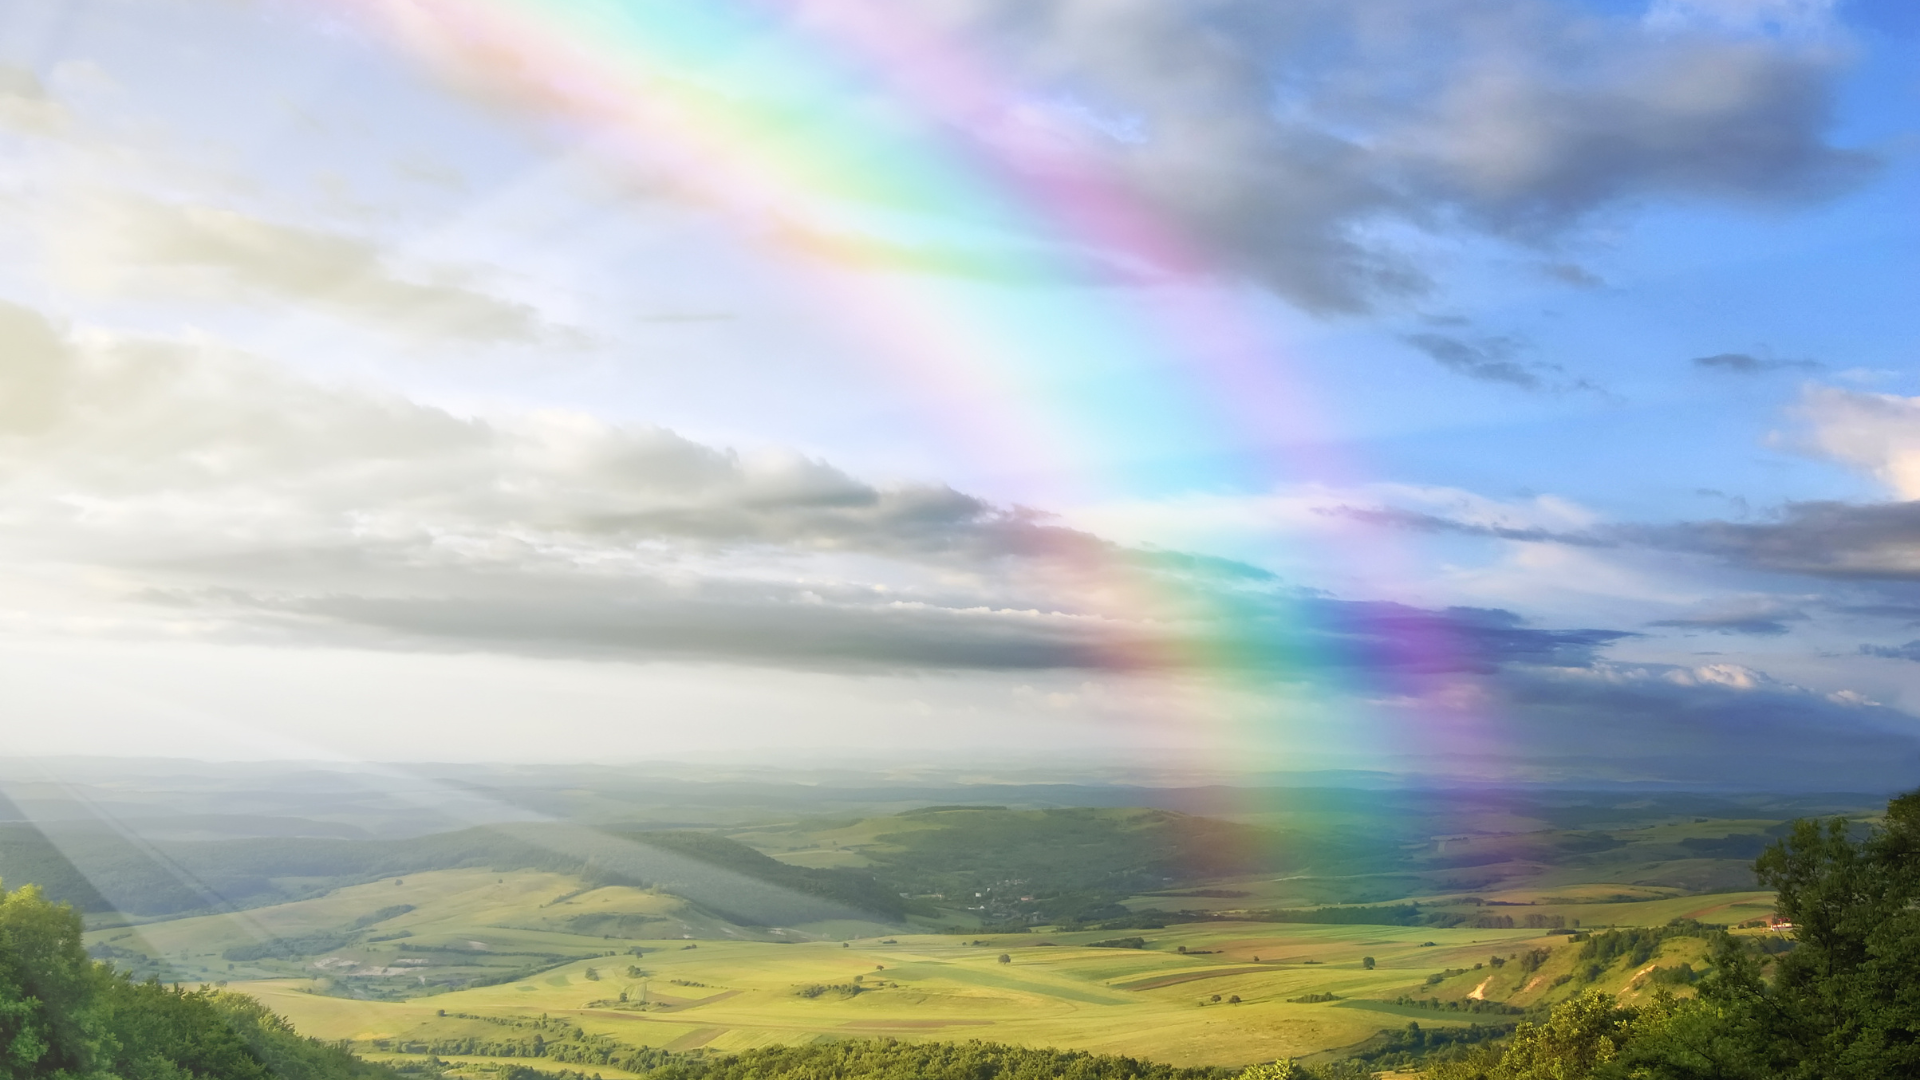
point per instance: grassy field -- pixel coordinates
(404, 964)
(698, 982)
(1056, 990)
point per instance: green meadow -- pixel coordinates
(1154, 934)
(1055, 990)
(696, 981)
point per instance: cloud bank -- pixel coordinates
(1269, 134)
(246, 503)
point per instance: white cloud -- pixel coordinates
(140, 246)
(1731, 676)
(220, 497)
(24, 104)
(1876, 433)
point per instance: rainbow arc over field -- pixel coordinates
(912, 187)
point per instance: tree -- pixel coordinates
(1842, 1002)
(1005, 959)
(64, 1016)
(1367, 962)
(1845, 1000)
(47, 984)
(1284, 1069)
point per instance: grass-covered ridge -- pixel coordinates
(99, 870)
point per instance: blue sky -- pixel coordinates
(359, 401)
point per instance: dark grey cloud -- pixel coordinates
(1747, 364)
(1909, 651)
(1390, 636)
(1419, 521)
(1573, 274)
(1759, 617)
(1870, 542)
(1713, 724)
(1488, 359)
(1873, 542)
(1268, 131)
(846, 626)
(1890, 609)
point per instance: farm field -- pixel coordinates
(1149, 933)
(1056, 990)
(391, 965)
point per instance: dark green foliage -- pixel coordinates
(1146, 920)
(839, 990)
(889, 1060)
(64, 1015)
(864, 1059)
(1387, 915)
(288, 948)
(26, 854)
(854, 888)
(1075, 863)
(1842, 1004)
(1639, 944)
(1674, 976)
(385, 913)
(1119, 943)
(1414, 1045)
(537, 1037)
(1468, 1005)
(1846, 1000)
(47, 986)
(521, 973)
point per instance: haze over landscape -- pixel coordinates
(959, 540)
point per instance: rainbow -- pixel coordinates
(849, 132)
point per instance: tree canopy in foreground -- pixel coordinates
(64, 1015)
(1843, 1003)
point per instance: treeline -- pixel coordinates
(1384, 915)
(527, 1038)
(1639, 943)
(1066, 865)
(885, 1059)
(1410, 914)
(1840, 1005)
(562, 1043)
(64, 1015)
(1414, 1045)
(289, 948)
